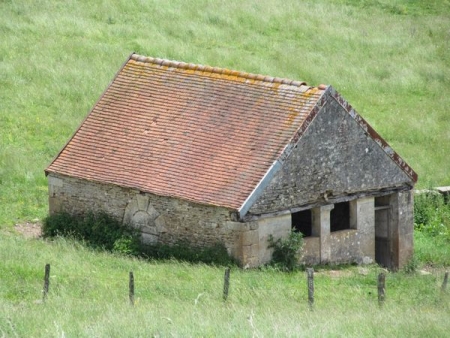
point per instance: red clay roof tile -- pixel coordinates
(204, 134)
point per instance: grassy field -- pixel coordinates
(88, 297)
(390, 59)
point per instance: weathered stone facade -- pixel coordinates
(355, 244)
(168, 220)
(401, 215)
(334, 159)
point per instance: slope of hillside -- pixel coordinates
(391, 60)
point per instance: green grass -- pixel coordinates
(390, 59)
(432, 225)
(88, 297)
(433, 251)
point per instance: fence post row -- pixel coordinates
(310, 283)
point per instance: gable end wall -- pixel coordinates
(334, 156)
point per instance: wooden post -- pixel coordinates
(46, 282)
(310, 273)
(226, 283)
(131, 287)
(381, 288)
(444, 283)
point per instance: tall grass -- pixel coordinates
(390, 59)
(432, 214)
(432, 229)
(89, 298)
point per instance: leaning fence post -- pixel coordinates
(444, 283)
(46, 282)
(310, 273)
(131, 288)
(381, 288)
(226, 283)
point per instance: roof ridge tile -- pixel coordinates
(217, 70)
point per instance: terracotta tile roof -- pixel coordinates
(204, 134)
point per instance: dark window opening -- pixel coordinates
(340, 217)
(302, 222)
(382, 201)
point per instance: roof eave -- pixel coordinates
(258, 190)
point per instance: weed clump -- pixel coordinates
(412, 265)
(432, 215)
(285, 250)
(216, 254)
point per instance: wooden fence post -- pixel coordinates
(226, 283)
(444, 283)
(381, 288)
(310, 273)
(131, 288)
(46, 282)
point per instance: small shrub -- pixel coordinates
(285, 250)
(98, 230)
(216, 254)
(126, 245)
(60, 224)
(425, 206)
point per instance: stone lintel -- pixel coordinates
(250, 237)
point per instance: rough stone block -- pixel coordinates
(249, 256)
(149, 238)
(236, 226)
(55, 181)
(310, 252)
(250, 238)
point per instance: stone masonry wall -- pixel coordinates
(173, 219)
(333, 158)
(278, 227)
(356, 244)
(402, 219)
(168, 220)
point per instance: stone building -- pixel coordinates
(191, 152)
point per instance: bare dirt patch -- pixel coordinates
(29, 229)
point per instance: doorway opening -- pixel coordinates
(302, 222)
(383, 235)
